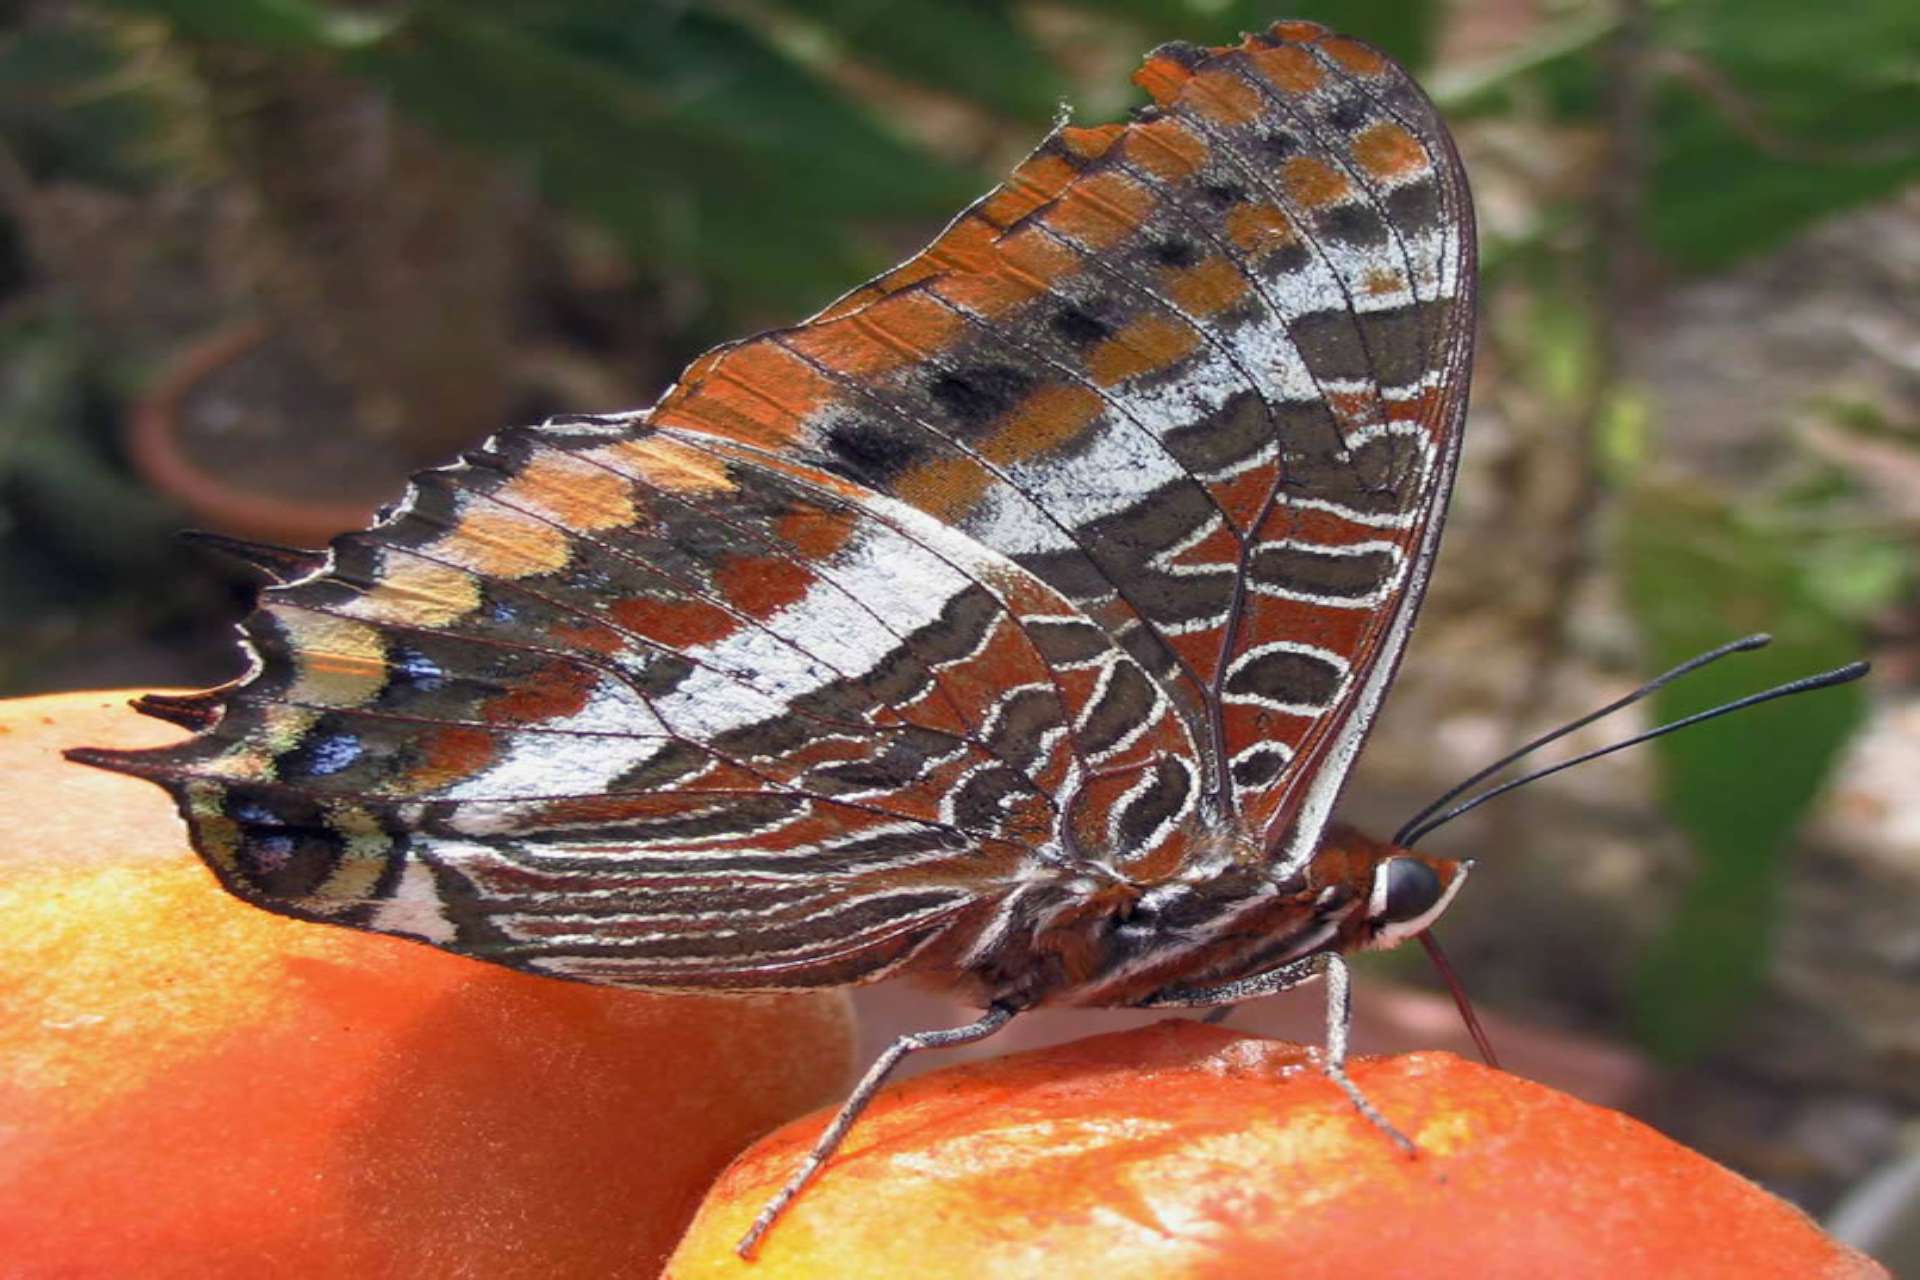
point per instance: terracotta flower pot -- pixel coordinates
(192, 1087)
(213, 499)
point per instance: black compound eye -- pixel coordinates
(1406, 890)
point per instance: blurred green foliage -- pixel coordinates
(1698, 572)
(1766, 114)
(69, 106)
(681, 128)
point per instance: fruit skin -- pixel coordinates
(1180, 1150)
(190, 1086)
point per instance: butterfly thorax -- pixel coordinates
(1100, 940)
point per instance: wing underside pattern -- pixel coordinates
(1081, 545)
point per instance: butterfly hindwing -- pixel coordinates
(616, 706)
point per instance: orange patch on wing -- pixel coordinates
(1341, 630)
(1259, 228)
(1423, 406)
(1167, 149)
(898, 330)
(1199, 650)
(1290, 68)
(588, 635)
(1025, 262)
(1313, 182)
(814, 532)
(967, 246)
(990, 294)
(1242, 497)
(1141, 346)
(417, 592)
(761, 585)
(1355, 57)
(1045, 420)
(1386, 150)
(552, 691)
(449, 754)
(1033, 182)
(1101, 211)
(1352, 406)
(1163, 78)
(571, 491)
(1033, 255)
(1382, 281)
(1090, 142)
(676, 624)
(910, 272)
(1220, 546)
(1221, 95)
(499, 543)
(1299, 29)
(946, 487)
(758, 393)
(1208, 287)
(667, 464)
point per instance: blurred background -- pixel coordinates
(260, 259)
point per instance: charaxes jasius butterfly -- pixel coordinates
(1012, 624)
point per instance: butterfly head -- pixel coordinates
(1398, 893)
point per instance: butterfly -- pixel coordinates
(1013, 623)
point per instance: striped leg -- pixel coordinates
(991, 1021)
(1333, 1058)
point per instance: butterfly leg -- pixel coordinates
(996, 1017)
(1333, 1058)
(1217, 1016)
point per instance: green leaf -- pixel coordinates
(1696, 576)
(1768, 114)
(694, 143)
(1778, 113)
(723, 82)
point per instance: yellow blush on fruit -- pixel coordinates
(193, 1087)
(1182, 1152)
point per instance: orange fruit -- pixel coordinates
(1180, 1150)
(190, 1086)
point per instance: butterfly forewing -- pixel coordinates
(1204, 373)
(1078, 547)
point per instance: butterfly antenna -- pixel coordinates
(1806, 684)
(1412, 826)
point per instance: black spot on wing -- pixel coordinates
(975, 396)
(872, 450)
(1285, 676)
(1149, 809)
(1080, 327)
